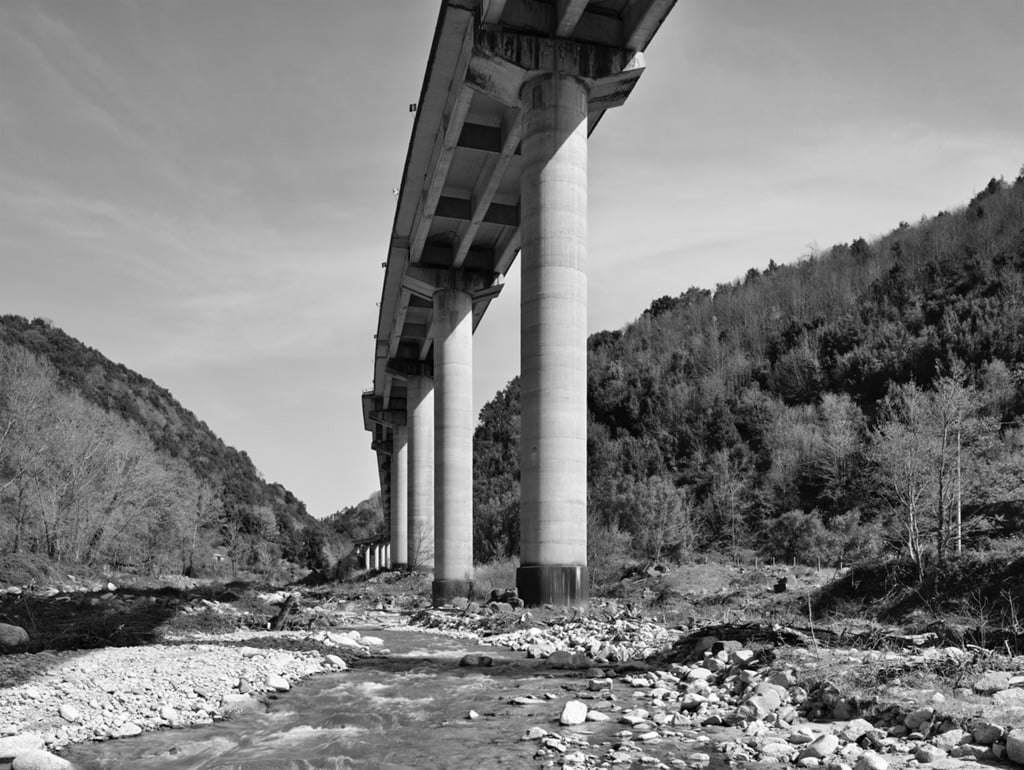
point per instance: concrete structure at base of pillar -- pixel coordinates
(553, 380)
(420, 553)
(399, 546)
(453, 441)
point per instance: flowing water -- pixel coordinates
(407, 710)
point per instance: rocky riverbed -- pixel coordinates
(664, 697)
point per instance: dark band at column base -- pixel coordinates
(443, 591)
(400, 566)
(561, 584)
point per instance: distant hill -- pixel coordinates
(852, 402)
(234, 514)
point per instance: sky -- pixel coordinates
(202, 189)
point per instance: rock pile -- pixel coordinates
(760, 713)
(611, 636)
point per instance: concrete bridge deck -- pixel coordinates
(496, 164)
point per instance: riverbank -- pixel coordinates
(676, 695)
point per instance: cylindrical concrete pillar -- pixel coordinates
(420, 414)
(399, 497)
(553, 382)
(453, 444)
(366, 557)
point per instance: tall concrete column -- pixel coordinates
(553, 382)
(400, 497)
(420, 407)
(453, 444)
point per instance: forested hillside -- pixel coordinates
(101, 466)
(863, 400)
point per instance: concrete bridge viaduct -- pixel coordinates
(497, 165)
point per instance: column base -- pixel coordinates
(443, 591)
(400, 567)
(561, 584)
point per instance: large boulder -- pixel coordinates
(1015, 745)
(12, 638)
(40, 760)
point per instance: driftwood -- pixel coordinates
(282, 614)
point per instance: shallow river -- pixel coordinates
(407, 710)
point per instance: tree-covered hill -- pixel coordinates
(199, 502)
(856, 401)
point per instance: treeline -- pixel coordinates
(863, 400)
(99, 465)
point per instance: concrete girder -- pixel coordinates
(542, 17)
(492, 11)
(567, 16)
(642, 20)
(489, 181)
(444, 149)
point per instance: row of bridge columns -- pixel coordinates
(432, 453)
(376, 556)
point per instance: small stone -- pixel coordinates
(336, 661)
(871, 760)
(927, 754)
(802, 735)
(474, 660)
(278, 683)
(972, 751)
(776, 750)
(573, 713)
(597, 716)
(127, 730)
(69, 713)
(1010, 696)
(987, 733)
(554, 743)
(822, 746)
(854, 729)
(12, 637)
(596, 685)
(526, 700)
(918, 717)
(948, 740)
(533, 734)
(473, 714)
(992, 682)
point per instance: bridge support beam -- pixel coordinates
(400, 497)
(453, 443)
(420, 546)
(553, 450)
